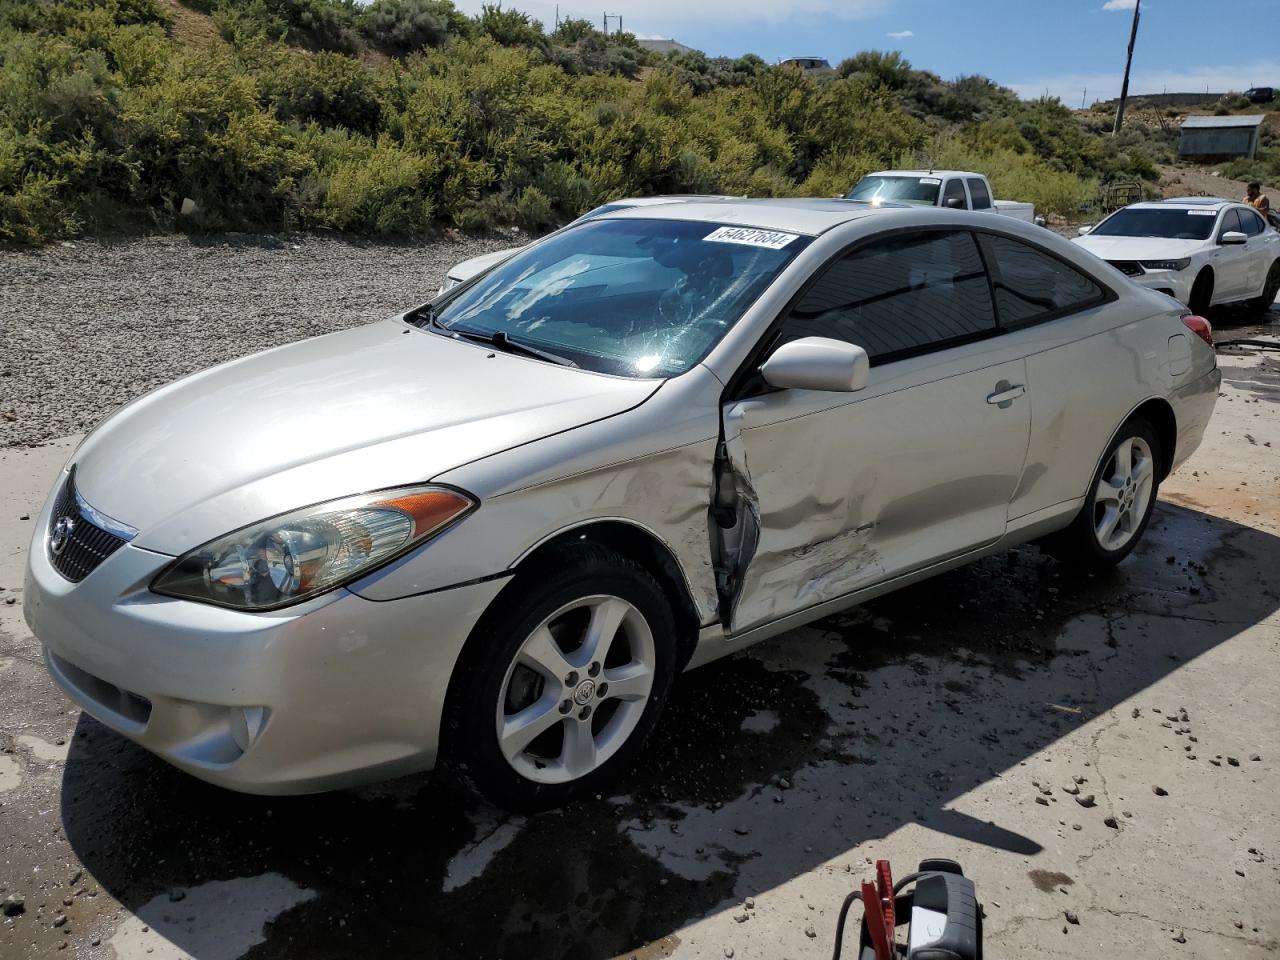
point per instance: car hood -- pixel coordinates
(377, 406)
(469, 268)
(1139, 248)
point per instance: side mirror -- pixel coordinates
(817, 363)
(1232, 237)
(953, 203)
(1084, 231)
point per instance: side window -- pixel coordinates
(899, 296)
(954, 191)
(1031, 285)
(1250, 222)
(1230, 222)
(981, 198)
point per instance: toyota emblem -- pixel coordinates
(61, 534)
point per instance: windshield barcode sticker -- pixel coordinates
(932, 181)
(751, 237)
(1202, 213)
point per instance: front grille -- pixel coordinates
(1130, 268)
(80, 544)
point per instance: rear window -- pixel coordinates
(981, 197)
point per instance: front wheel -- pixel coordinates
(562, 684)
(1120, 500)
(1201, 293)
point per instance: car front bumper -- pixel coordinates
(1176, 283)
(335, 691)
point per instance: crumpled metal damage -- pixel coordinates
(817, 550)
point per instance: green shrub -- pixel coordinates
(328, 89)
(403, 26)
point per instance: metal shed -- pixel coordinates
(1220, 136)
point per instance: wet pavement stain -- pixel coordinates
(1047, 881)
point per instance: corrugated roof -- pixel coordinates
(1247, 120)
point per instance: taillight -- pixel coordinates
(1200, 327)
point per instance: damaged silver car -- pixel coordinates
(489, 533)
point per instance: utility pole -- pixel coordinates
(617, 18)
(1124, 87)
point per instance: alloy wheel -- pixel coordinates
(576, 689)
(1124, 493)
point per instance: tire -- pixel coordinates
(1201, 292)
(1269, 290)
(1109, 526)
(534, 718)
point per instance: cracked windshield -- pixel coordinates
(635, 298)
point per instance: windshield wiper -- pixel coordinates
(501, 340)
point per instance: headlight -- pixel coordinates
(298, 555)
(1166, 264)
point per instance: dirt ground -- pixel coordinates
(1012, 715)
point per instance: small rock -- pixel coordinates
(741, 917)
(784, 783)
(1042, 801)
(1076, 826)
(749, 903)
(728, 951)
(1180, 938)
(60, 919)
(1087, 800)
(75, 878)
(810, 932)
(13, 905)
(1071, 917)
(1233, 761)
(741, 831)
(176, 894)
(1160, 791)
(1112, 823)
(1255, 757)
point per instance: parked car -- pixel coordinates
(1203, 251)
(461, 272)
(818, 66)
(489, 532)
(1260, 94)
(953, 189)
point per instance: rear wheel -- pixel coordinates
(563, 683)
(1120, 500)
(1201, 292)
(1270, 290)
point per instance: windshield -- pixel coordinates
(917, 190)
(1170, 224)
(636, 298)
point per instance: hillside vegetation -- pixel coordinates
(405, 116)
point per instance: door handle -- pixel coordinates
(1006, 393)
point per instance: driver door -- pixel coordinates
(844, 490)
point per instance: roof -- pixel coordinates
(1242, 120)
(924, 173)
(1212, 203)
(661, 45)
(799, 215)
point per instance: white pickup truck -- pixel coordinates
(956, 189)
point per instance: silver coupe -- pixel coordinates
(488, 533)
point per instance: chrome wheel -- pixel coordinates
(576, 689)
(1124, 493)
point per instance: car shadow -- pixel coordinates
(766, 766)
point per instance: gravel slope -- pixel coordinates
(89, 325)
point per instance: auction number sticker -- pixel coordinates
(770, 239)
(1202, 213)
(932, 181)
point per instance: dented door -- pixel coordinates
(822, 494)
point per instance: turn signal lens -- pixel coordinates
(1200, 327)
(299, 555)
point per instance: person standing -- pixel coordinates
(1255, 198)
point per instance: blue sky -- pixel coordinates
(1064, 46)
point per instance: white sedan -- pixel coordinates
(489, 532)
(1199, 250)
